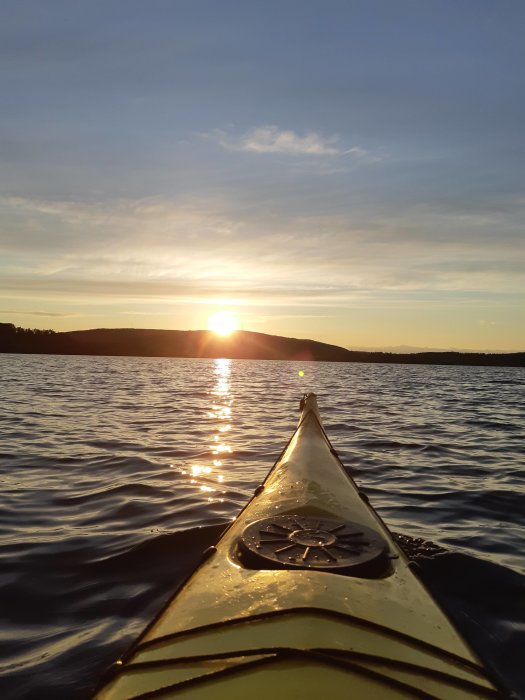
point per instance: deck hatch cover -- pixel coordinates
(300, 542)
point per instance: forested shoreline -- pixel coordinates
(138, 342)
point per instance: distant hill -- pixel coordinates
(244, 345)
(410, 349)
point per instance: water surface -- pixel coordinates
(117, 472)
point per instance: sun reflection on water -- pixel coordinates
(208, 473)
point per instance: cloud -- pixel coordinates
(57, 228)
(271, 139)
(196, 249)
(48, 314)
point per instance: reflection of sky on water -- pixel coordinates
(207, 473)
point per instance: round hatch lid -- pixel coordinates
(305, 542)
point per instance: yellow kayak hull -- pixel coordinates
(305, 593)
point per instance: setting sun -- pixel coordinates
(223, 323)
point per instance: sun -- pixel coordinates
(223, 323)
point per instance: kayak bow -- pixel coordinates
(305, 594)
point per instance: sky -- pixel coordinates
(347, 171)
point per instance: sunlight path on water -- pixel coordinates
(210, 472)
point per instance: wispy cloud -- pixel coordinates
(331, 156)
(48, 314)
(195, 249)
(271, 139)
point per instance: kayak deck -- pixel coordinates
(305, 593)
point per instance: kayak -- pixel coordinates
(306, 593)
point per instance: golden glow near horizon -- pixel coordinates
(223, 323)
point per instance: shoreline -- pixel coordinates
(240, 345)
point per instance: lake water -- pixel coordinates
(117, 472)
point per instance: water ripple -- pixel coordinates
(117, 472)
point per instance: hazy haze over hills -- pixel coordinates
(413, 349)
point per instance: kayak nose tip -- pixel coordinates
(308, 398)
